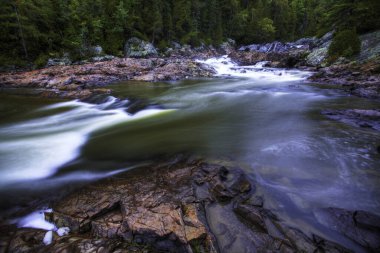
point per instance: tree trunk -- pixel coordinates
(21, 32)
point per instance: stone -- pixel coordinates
(367, 220)
(162, 208)
(83, 81)
(356, 117)
(251, 214)
(137, 48)
(344, 222)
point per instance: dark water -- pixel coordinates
(267, 122)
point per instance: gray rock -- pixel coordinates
(97, 50)
(370, 46)
(102, 58)
(136, 48)
(344, 221)
(318, 56)
(356, 117)
(227, 47)
(64, 61)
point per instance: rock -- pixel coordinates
(318, 56)
(252, 215)
(356, 117)
(137, 48)
(175, 45)
(26, 240)
(319, 53)
(344, 221)
(83, 81)
(370, 46)
(227, 47)
(171, 206)
(103, 58)
(64, 61)
(97, 50)
(367, 220)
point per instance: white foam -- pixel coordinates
(224, 66)
(48, 238)
(63, 231)
(35, 149)
(36, 220)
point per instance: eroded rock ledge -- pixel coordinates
(82, 81)
(177, 206)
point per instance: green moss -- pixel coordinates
(345, 43)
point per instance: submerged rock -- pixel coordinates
(356, 117)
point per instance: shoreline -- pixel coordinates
(83, 81)
(182, 205)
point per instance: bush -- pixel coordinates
(41, 61)
(345, 43)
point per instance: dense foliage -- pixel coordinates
(345, 43)
(33, 30)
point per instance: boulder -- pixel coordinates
(360, 226)
(136, 48)
(319, 52)
(318, 56)
(227, 47)
(63, 61)
(370, 46)
(97, 50)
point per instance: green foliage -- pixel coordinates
(41, 61)
(31, 28)
(345, 43)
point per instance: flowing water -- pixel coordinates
(267, 120)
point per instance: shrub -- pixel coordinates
(41, 61)
(345, 43)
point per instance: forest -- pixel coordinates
(34, 30)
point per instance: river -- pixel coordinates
(266, 120)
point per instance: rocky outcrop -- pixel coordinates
(278, 54)
(356, 117)
(361, 80)
(136, 48)
(319, 52)
(361, 227)
(82, 81)
(370, 46)
(177, 206)
(227, 47)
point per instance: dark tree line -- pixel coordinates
(36, 29)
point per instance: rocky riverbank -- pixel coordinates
(62, 78)
(360, 75)
(82, 81)
(181, 205)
